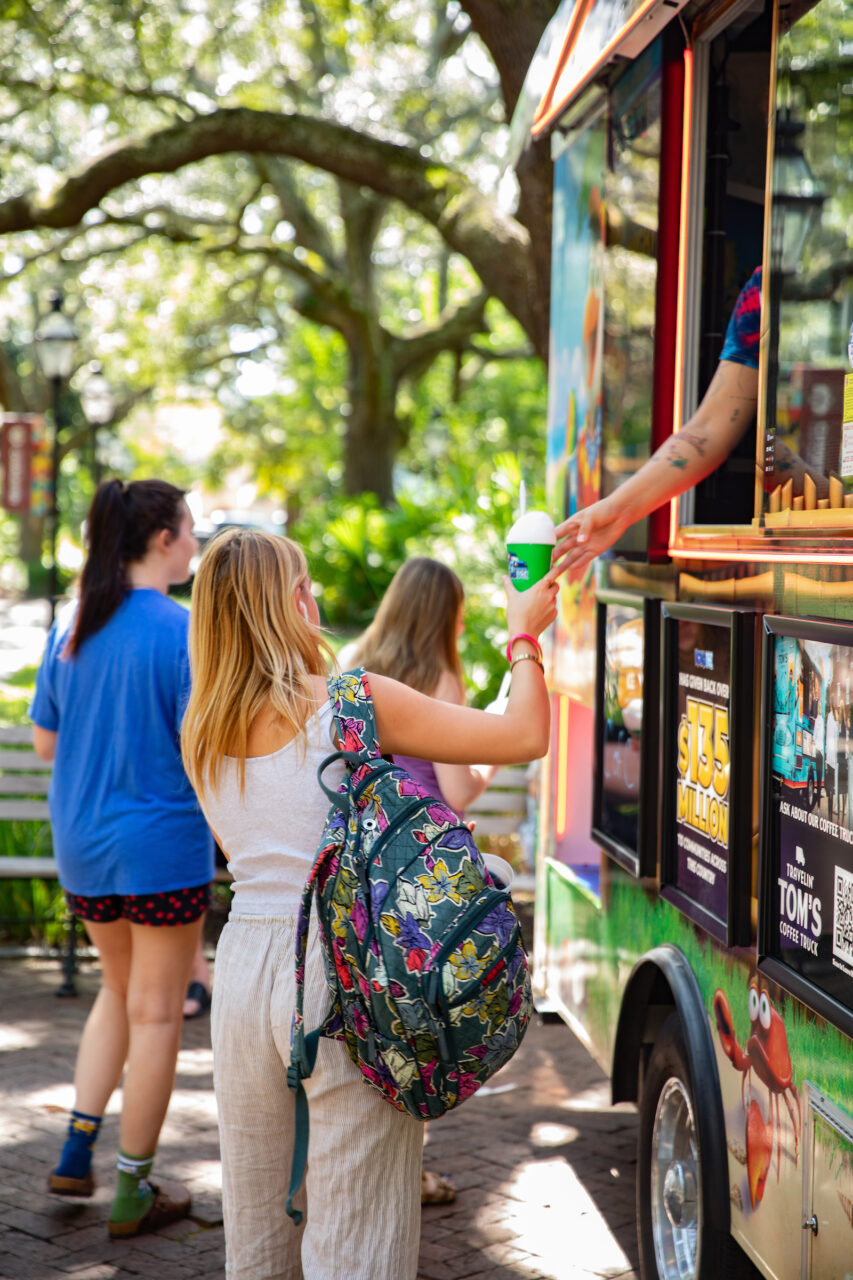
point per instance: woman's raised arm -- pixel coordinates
(411, 724)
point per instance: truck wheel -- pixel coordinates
(673, 1192)
(810, 791)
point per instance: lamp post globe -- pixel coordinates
(98, 402)
(55, 339)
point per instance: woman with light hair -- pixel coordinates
(414, 638)
(258, 725)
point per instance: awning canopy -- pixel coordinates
(581, 39)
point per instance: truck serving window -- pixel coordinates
(629, 278)
(738, 84)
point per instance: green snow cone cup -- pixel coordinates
(529, 546)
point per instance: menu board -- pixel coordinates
(702, 764)
(624, 812)
(703, 778)
(807, 836)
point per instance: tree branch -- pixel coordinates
(310, 232)
(326, 301)
(497, 246)
(415, 351)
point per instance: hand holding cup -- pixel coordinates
(532, 610)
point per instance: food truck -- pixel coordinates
(694, 881)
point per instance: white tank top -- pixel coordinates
(271, 832)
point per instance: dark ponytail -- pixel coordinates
(121, 522)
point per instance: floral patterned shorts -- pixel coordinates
(178, 906)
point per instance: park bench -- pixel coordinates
(25, 778)
(24, 781)
(498, 814)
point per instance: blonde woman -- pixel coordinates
(257, 726)
(414, 638)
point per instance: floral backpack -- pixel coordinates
(429, 979)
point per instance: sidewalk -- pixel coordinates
(545, 1169)
(23, 631)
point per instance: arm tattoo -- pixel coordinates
(698, 440)
(671, 454)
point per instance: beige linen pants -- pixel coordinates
(364, 1156)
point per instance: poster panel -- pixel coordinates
(626, 731)
(807, 824)
(707, 763)
(573, 454)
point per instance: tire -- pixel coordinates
(810, 791)
(674, 1195)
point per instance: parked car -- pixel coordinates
(208, 528)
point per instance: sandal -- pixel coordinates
(436, 1189)
(172, 1201)
(198, 991)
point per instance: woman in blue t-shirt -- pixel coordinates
(134, 853)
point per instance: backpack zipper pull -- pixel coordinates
(371, 1045)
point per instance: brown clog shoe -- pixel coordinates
(172, 1201)
(62, 1186)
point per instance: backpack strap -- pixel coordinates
(303, 1047)
(301, 1129)
(355, 719)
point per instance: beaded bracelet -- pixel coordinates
(526, 657)
(522, 635)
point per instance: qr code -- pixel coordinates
(842, 937)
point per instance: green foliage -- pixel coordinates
(456, 502)
(271, 290)
(25, 678)
(30, 910)
(13, 707)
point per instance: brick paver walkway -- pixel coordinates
(545, 1169)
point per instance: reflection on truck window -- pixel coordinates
(810, 393)
(739, 85)
(623, 720)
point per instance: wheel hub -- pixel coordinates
(679, 1194)
(675, 1184)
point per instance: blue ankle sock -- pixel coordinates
(76, 1158)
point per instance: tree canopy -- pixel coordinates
(315, 187)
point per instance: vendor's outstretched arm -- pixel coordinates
(727, 409)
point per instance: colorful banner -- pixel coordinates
(41, 469)
(702, 765)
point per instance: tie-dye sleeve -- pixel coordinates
(741, 343)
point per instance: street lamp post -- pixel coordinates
(97, 400)
(55, 339)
